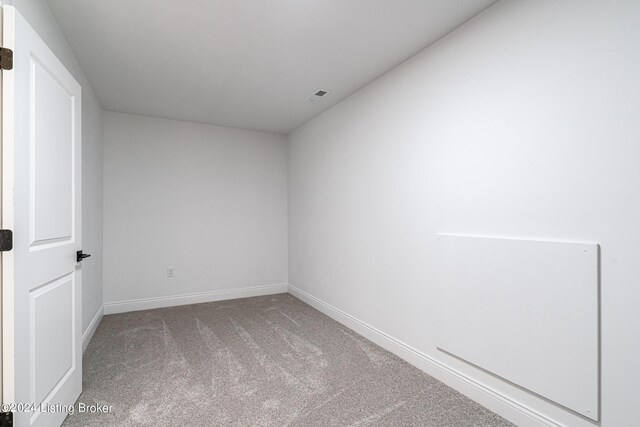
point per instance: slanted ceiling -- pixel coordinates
(250, 64)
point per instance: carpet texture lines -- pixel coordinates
(263, 361)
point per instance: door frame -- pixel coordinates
(7, 222)
(1, 224)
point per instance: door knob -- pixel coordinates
(80, 256)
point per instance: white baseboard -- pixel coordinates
(88, 334)
(516, 412)
(196, 298)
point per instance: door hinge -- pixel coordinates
(6, 59)
(6, 240)
(6, 419)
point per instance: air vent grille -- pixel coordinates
(318, 95)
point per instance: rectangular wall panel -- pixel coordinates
(526, 311)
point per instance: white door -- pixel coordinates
(42, 281)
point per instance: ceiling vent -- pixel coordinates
(318, 94)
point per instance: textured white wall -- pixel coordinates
(209, 201)
(521, 123)
(38, 15)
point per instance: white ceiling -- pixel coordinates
(246, 63)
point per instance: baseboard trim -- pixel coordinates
(195, 298)
(509, 408)
(88, 334)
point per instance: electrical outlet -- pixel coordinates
(169, 271)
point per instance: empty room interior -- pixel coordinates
(320, 213)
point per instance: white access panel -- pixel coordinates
(526, 311)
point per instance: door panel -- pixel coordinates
(42, 296)
(52, 323)
(51, 115)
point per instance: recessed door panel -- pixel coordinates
(53, 321)
(51, 157)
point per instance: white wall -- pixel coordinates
(209, 201)
(521, 123)
(38, 15)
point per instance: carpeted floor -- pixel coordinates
(264, 361)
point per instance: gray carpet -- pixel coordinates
(264, 361)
